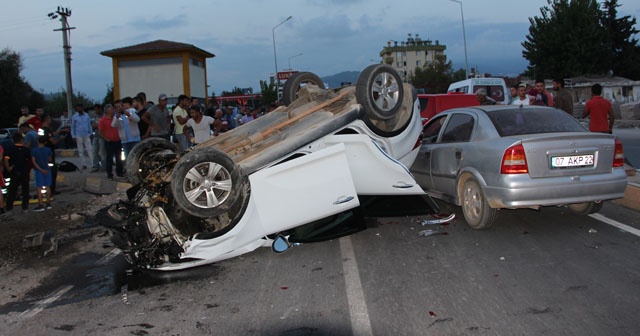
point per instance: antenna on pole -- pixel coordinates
(63, 14)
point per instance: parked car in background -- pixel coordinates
(7, 132)
(487, 158)
(496, 88)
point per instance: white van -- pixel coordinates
(496, 88)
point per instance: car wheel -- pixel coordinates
(146, 157)
(380, 91)
(295, 82)
(207, 183)
(585, 208)
(477, 212)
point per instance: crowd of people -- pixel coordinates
(102, 134)
(598, 109)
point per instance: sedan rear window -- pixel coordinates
(520, 121)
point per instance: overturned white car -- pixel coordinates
(308, 171)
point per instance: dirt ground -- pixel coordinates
(71, 222)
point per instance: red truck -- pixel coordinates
(432, 104)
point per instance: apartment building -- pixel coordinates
(406, 56)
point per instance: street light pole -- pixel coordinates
(275, 58)
(290, 57)
(464, 37)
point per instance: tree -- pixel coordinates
(435, 77)
(268, 91)
(15, 92)
(58, 102)
(575, 37)
(108, 97)
(621, 43)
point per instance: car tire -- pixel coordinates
(475, 208)
(294, 83)
(206, 183)
(380, 91)
(586, 208)
(142, 158)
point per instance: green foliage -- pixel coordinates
(15, 92)
(108, 97)
(576, 37)
(235, 92)
(268, 91)
(58, 102)
(435, 77)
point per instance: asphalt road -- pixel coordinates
(542, 272)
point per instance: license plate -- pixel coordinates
(572, 161)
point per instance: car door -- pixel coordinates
(447, 154)
(421, 169)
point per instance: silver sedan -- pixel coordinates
(486, 158)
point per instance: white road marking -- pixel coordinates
(42, 304)
(360, 322)
(617, 224)
(107, 257)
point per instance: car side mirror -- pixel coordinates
(280, 244)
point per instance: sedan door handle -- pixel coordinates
(458, 155)
(343, 199)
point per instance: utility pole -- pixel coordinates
(64, 13)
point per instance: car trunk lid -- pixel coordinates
(567, 154)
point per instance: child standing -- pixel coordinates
(41, 156)
(17, 164)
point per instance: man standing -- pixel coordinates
(199, 124)
(99, 150)
(599, 109)
(24, 111)
(522, 98)
(30, 139)
(65, 128)
(36, 120)
(81, 131)
(159, 119)
(513, 93)
(563, 99)
(180, 117)
(52, 140)
(111, 141)
(126, 121)
(140, 104)
(540, 87)
(17, 163)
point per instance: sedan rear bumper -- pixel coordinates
(521, 191)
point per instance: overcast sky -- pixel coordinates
(332, 35)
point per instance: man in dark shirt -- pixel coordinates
(17, 163)
(52, 140)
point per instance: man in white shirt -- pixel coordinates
(201, 125)
(522, 98)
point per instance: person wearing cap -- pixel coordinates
(159, 119)
(481, 95)
(522, 98)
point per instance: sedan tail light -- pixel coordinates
(514, 161)
(618, 157)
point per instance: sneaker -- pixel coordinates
(48, 206)
(39, 208)
(95, 170)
